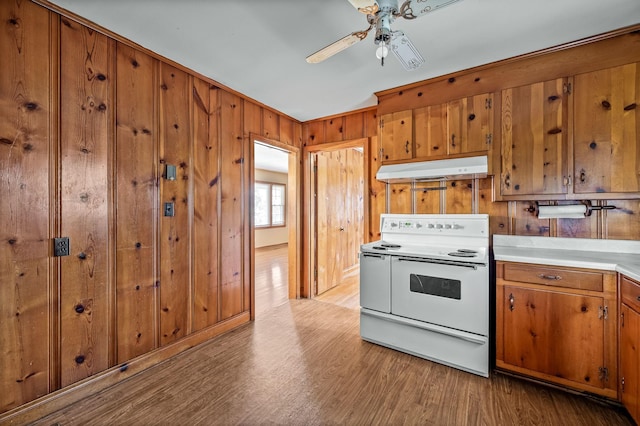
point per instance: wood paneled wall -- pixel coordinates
(477, 196)
(88, 124)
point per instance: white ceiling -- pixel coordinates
(268, 158)
(258, 47)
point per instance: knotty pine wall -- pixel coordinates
(88, 123)
(477, 196)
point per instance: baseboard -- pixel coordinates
(61, 398)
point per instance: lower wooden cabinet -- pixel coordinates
(629, 341)
(558, 325)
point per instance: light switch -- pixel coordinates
(170, 173)
(169, 209)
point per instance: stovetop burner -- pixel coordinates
(386, 246)
(390, 245)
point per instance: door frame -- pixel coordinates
(293, 216)
(309, 218)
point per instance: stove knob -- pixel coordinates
(418, 225)
(456, 226)
(447, 226)
(439, 226)
(430, 226)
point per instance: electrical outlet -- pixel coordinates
(61, 246)
(169, 209)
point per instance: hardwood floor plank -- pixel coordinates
(271, 281)
(303, 362)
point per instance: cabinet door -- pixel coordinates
(470, 124)
(558, 334)
(396, 140)
(430, 126)
(629, 360)
(533, 139)
(607, 130)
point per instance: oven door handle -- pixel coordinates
(377, 256)
(438, 262)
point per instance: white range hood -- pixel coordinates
(454, 168)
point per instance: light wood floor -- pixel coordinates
(302, 362)
(272, 285)
(271, 265)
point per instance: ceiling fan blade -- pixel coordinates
(406, 52)
(368, 7)
(336, 47)
(411, 9)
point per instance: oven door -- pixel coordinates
(448, 294)
(375, 281)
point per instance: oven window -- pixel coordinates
(435, 286)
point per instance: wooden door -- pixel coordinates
(396, 136)
(630, 360)
(329, 206)
(557, 334)
(339, 215)
(533, 139)
(470, 124)
(28, 93)
(607, 130)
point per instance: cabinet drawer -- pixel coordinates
(630, 291)
(558, 277)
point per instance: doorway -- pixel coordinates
(337, 210)
(275, 224)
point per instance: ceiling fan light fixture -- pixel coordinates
(382, 51)
(406, 52)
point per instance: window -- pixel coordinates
(269, 204)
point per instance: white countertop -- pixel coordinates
(609, 255)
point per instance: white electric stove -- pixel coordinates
(424, 288)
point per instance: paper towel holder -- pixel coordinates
(590, 208)
(586, 203)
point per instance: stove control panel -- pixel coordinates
(471, 225)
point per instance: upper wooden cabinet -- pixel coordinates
(607, 130)
(470, 124)
(572, 138)
(533, 125)
(396, 136)
(457, 127)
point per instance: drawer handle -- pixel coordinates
(638, 298)
(550, 277)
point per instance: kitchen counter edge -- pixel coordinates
(621, 256)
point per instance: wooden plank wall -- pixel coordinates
(28, 136)
(476, 196)
(135, 281)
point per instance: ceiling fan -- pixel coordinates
(380, 15)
